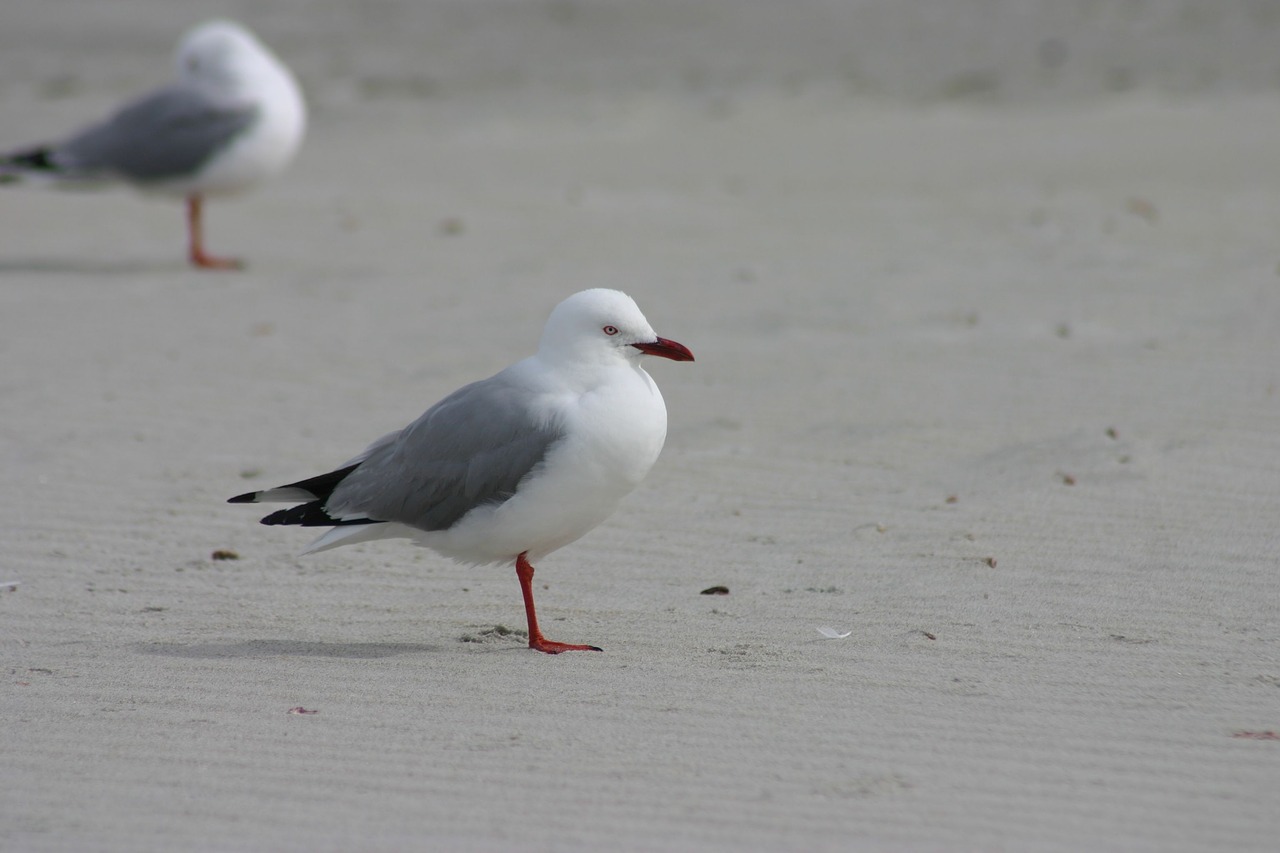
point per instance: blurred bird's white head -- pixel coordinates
(223, 53)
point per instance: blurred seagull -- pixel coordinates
(513, 467)
(234, 118)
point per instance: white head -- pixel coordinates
(600, 325)
(224, 54)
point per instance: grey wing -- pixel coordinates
(169, 134)
(375, 447)
(470, 449)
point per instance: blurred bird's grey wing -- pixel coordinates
(169, 134)
(470, 449)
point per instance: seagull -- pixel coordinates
(513, 467)
(234, 118)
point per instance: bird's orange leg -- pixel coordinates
(524, 571)
(195, 234)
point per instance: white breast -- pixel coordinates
(267, 147)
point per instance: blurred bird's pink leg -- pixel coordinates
(195, 234)
(524, 571)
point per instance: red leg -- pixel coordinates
(524, 571)
(196, 234)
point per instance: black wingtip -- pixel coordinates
(319, 488)
(39, 159)
(311, 515)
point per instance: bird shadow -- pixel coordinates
(262, 649)
(74, 266)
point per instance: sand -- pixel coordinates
(988, 377)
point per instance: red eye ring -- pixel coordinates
(610, 330)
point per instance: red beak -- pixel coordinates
(666, 349)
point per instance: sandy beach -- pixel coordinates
(988, 376)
